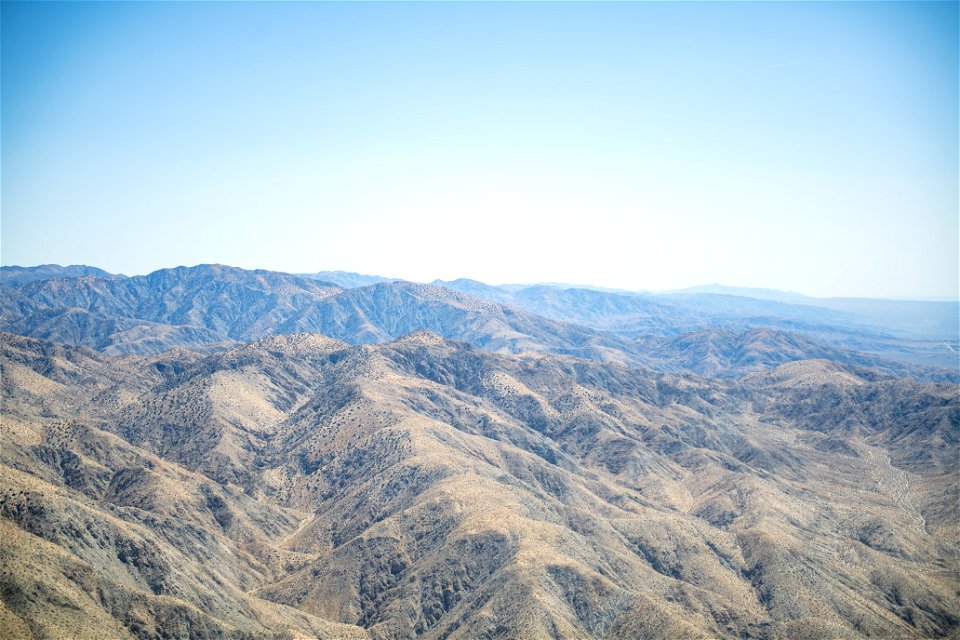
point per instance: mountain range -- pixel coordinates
(210, 306)
(210, 452)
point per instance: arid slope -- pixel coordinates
(427, 488)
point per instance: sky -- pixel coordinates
(809, 147)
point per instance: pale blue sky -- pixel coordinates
(803, 146)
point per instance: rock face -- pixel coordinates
(301, 486)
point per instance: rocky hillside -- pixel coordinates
(301, 487)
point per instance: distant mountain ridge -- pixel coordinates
(47, 271)
(746, 306)
(744, 292)
(214, 302)
(347, 279)
(223, 304)
(890, 334)
(726, 353)
(212, 306)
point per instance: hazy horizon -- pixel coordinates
(809, 147)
